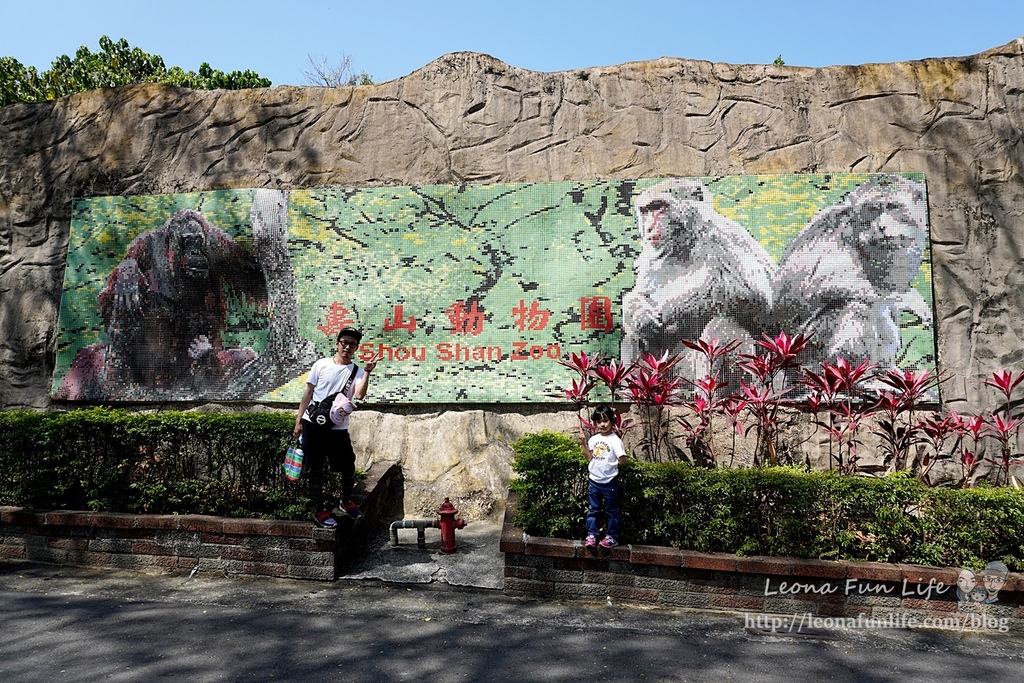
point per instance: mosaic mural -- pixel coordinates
(472, 293)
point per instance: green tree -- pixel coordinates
(17, 82)
(117, 63)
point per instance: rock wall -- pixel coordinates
(470, 118)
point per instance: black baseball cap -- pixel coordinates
(350, 332)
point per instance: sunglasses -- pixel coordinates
(346, 343)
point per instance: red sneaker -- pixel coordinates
(324, 520)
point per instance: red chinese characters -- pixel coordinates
(532, 318)
(398, 322)
(465, 319)
(596, 313)
(337, 318)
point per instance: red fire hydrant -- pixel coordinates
(448, 524)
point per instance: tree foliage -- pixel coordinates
(117, 63)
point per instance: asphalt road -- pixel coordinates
(65, 624)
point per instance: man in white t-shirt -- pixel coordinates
(333, 447)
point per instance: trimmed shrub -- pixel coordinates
(165, 462)
(777, 511)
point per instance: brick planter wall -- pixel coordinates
(295, 550)
(812, 592)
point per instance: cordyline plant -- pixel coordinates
(653, 387)
(578, 392)
(707, 401)
(765, 392)
(699, 433)
(732, 407)
(844, 397)
(1004, 430)
(900, 435)
(592, 369)
(935, 432)
(968, 426)
(1005, 381)
(840, 391)
(1003, 427)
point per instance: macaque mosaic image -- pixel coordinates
(471, 293)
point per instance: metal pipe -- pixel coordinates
(418, 524)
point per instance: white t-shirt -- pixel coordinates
(604, 466)
(327, 377)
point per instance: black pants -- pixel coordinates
(331, 447)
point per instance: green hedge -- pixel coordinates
(165, 462)
(779, 511)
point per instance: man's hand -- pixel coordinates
(369, 365)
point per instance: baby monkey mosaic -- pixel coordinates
(473, 293)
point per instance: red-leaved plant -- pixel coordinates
(840, 389)
(1004, 431)
(765, 392)
(899, 436)
(1003, 427)
(653, 388)
(706, 400)
(579, 391)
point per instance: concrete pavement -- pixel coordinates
(476, 563)
(410, 614)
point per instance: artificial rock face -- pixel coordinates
(468, 118)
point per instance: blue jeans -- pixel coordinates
(606, 496)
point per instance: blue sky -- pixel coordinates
(391, 38)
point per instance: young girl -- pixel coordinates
(605, 454)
